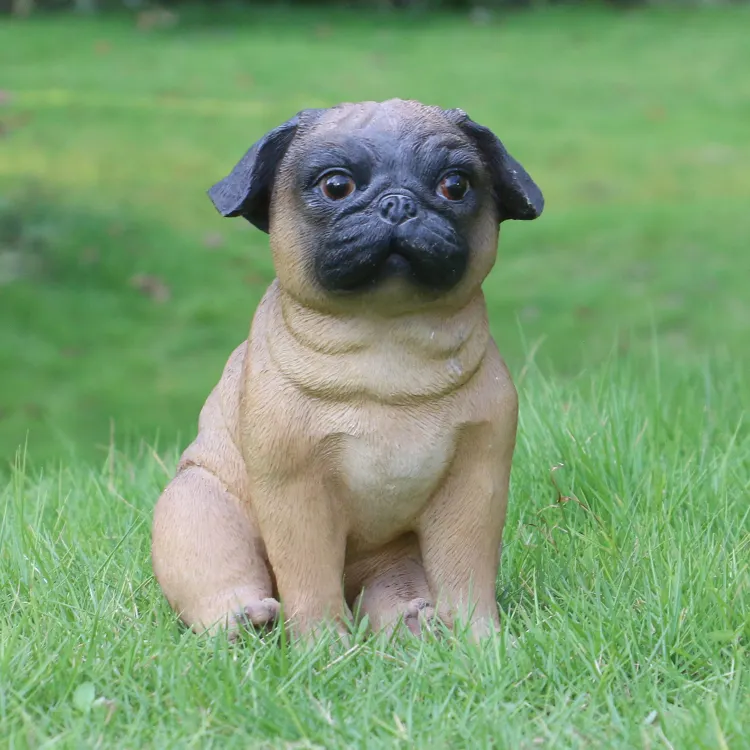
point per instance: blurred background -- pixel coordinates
(122, 292)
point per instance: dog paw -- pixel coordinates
(258, 615)
(419, 616)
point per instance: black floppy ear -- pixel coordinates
(517, 195)
(246, 191)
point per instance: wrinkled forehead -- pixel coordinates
(394, 117)
(398, 132)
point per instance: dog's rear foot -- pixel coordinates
(419, 616)
(260, 615)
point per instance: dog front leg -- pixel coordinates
(305, 538)
(461, 531)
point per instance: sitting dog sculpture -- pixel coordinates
(356, 452)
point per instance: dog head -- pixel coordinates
(392, 204)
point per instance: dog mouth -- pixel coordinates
(425, 262)
(423, 258)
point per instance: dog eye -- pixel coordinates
(454, 186)
(337, 186)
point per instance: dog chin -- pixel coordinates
(397, 264)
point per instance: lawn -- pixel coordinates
(624, 314)
(624, 592)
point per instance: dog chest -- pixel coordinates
(389, 475)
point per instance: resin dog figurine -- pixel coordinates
(355, 454)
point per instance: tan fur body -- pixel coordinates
(348, 447)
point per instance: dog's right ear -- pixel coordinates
(246, 191)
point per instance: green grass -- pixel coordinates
(625, 592)
(624, 314)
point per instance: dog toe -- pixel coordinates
(259, 614)
(419, 612)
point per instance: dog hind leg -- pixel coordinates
(208, 556)
(390, 587)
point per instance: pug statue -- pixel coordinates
(356, 452)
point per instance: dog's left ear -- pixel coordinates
(517, 195)
(246, 191)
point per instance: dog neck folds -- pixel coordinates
(395, 360)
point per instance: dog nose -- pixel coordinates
(396, 209)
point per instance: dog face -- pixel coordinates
(392, 204)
